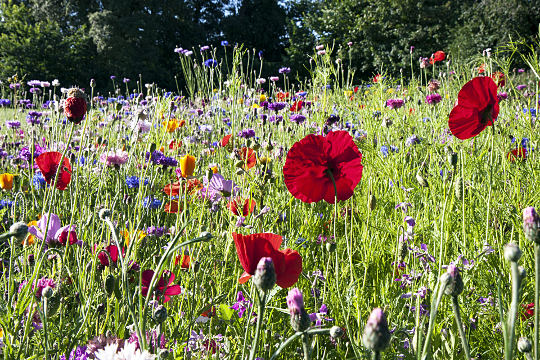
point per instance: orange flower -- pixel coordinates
(30, 239)
(377, 78)
(173, 124)
(482, 68)
(6, 181)
(183, 259)
(172, 207)
(187, 165)
(248, 156)
(282, 96)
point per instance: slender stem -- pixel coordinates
(536, 297)
(434, 307)
(512, 313)
(459, 323)
(306, 347)
(376, 355)
(294, 336)
(255, 345)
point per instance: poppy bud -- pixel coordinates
(256, 146)
(53, 304)
(160, 314)
(336, 332)
(265, 274)
(187, 165)
(269, 147)
(453, 158)
(458, 188)
(372, 202)
(455, 284)
(421, 180)
(92, 83)
(47, 292)
(163, 354)
(75, 105)
(522, 275)
(531, 224)
(512, 252)
(239, 164)
(239, 171)
(376, 334)
(104, 214)
(331, 246)
(524, 345)
(299, 317)
(209, 174)
(19, 230)
(108, 284)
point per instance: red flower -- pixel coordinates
(529, 311)
(225, 140)
(251, 248)
(175, 145)
(312, 160)
(113, 252)
(499, 78)
(482, 68)
(48, 163)
(172, 207)
(239, 209)
(68, 235)
(75, 108)
(282, 95)
(517, 154)
(160, 288)
(183, 259)
(476, 108)
(438, 56)
(297, 106)
(248, 156)
(377, 78)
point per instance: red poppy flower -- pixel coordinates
(438, 56)
(529, 311)
(172, 207)
(297, 106)
(225, 140)
(75, 108)
(68, 235)
(175, 145)
(311, 160)
(499, 78)
(251, 248)
(248, 156)
(482, 68)
(160, 289)
(113, 253)
(477, 107)
(48, 163)
(172, 189)
(517, 154)
(377, 78)
(183, 259)
(239, 209)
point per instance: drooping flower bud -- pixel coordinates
(19, 230)
(336, 332)
(160, 314)
(524, 345)
(47, 292)
(265, 274)
(108, 284)
(104, 214)
(299, 317)
(512, 252)
(455, 283)
(531, 224)
(75, 105)
(376, 334)
(421, 180)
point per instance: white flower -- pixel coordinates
(129, 352)
(55, 82)
(108, 353)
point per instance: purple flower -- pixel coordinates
(284, 70)
(276, 106)
(295, 302)
(217, 188)
(433, 98)
(210, 62)
(13, 124)
(394, 103)
(521, 87)
(205, 48)
(241, 304)
(502, 96)
(404, 206)
(42, 284)
(412, 140)
(247, 133)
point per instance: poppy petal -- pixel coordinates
(146, 277)
(293, 269)
(244, 278)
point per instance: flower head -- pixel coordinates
(314, 163)
(164, 287)
(49, 163)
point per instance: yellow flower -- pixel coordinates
(262, 98)
(255, 106)
(240, 101)
(127, 235)
(348, 93)
(214, 169)
(187, 165)
(172, 125)
(29, 241)
(389, 91)
(6, 181)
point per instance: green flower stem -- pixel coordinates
(306, 347)
(376, 355)
(295, 336)
(260, 315)
(536, 297)
(434, 307)
(512, 313)
(459, 324)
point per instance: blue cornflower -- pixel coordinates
(38, 181)
(384, 150)
(210, 63)
(151, 203)
(132, 182)
(224, 43)
(5, 203)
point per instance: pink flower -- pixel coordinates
(160, 288)
(112, 158)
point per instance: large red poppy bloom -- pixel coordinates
(477, 107)
(48, 163)
(161, 289)
(312, 163)
(251, 248)
(438, 56)
(241, 207)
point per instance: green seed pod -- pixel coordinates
(453, 158)
(331, 247)
(372, 202)
(336, 332)
(239, 172)
(239, 164)
(108, 284)
(512, 252)
(421, 180)
(301, 321)
(19, 230)
(160, 314)
(524, 345)
(458, 188)
(256, 146)
(117, 292)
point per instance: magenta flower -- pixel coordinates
(161, 289)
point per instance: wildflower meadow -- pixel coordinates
(249, 217)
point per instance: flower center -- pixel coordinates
(486, 114)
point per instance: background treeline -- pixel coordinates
(75, 40)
